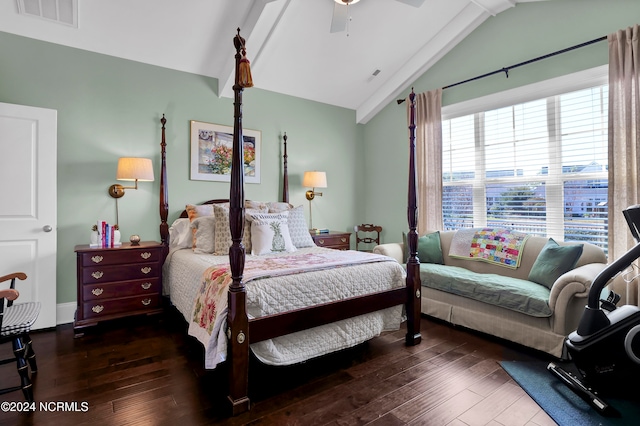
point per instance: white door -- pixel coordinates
(28, 140)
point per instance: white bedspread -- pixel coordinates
(183, 273)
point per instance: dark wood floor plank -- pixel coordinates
(449, 410)
(148, 371)
(521, 412)
(492, 406)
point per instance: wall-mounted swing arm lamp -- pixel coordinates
(313, 180)
(131, 169)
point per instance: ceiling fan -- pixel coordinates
(341, 12)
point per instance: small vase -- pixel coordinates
(94, 237)
(116, 237)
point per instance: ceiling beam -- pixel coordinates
(256, 29)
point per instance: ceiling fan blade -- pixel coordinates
(339, 19)
(414, 3)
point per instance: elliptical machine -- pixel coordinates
(606, 346)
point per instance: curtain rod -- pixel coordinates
(505, 70)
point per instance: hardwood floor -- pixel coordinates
(146, 371)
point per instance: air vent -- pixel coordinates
(64, 12)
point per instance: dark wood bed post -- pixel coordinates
(237, 320)
(285, 177)
(413, 336)
(164, 191)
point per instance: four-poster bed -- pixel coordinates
(242, 327)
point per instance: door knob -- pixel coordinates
(47, 228)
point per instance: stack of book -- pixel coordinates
(106, 235)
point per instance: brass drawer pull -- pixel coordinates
(321, 242)
(97, 309)
(344, 240)
(97, 274)
(146, 286)
(145, 270)
(97, 291)
(146, 302)
(145, 255)
(96, 259)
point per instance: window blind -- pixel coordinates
(538, 166)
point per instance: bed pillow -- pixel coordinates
(553, 261)
(270, 233)
(180, 235)
(222, 233)
(204, 234)
(256, 205)
(278, 206)
(195, 211)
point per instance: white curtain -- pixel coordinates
(429, 160)
(624, 135)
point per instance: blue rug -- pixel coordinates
(561, 403)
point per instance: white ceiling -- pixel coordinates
(288, 41)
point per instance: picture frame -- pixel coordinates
(211, 146)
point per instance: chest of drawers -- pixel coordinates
(333, 239)
(118, 282)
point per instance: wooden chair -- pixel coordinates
(15, 324)
(368, 230)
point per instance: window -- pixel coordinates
(537, 166)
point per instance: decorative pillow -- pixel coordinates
(553, 261)
(204, 234)
(277, 206)
(270, 233)
(299, 229)
(429, 248)
(180, 235)
(256, 205)
(194, 212)
(222, 233)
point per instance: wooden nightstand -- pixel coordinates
(118, 282)
(333, 239)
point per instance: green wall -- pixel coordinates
(526, 31)
(110, 108)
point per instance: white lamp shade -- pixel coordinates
(314, 179)
(133, 168)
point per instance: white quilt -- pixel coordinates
(183, 273)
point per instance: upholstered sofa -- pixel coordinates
(542, 320)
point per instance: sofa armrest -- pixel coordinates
(568, 296)
(394, 250)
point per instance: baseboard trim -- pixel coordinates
(65, 312)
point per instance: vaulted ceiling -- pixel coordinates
(387, 43)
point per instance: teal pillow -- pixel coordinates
(553, 261)
(429, 249)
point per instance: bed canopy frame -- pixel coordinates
(243, 331)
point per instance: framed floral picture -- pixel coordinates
(211, 146)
